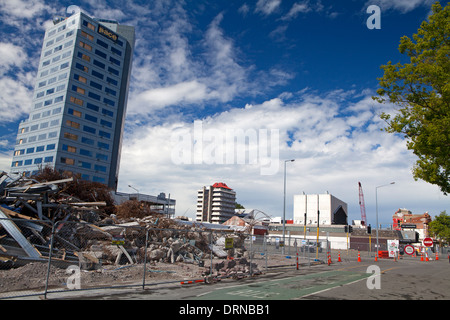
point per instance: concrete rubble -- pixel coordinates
(93, 233)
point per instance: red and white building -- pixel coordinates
(216, 203)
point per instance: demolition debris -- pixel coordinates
(75, 222)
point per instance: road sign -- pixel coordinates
(229, 243)
(392, 248)
(409, 249)
(428, 242)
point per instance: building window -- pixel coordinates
(89, 25)
(107, 113)
(96, 74)
(68, 161)
(116, 51)
(98, 167)
(70, 136)
(87, 141)
(73, 124)
(99, 179)
(40, 149)
(76, 101)
(99, 64)
(86, 153)
(84, 56)
(30, 150)
(103, 44)
(48, 159)
(96, 85)
(92, 106)
(104, 134)
(110, 91)
(89, 129)
(115, 61)
(85, 46)
(100, 53)
(80, 78)
(90, 118)
(28, 162)
(68, 148)
(103, 145)
(51, 147)
(38, 161)
(79, 66)
(100, 156)
(84, 164)
(87, 35)
(106, 123)
(80, 91)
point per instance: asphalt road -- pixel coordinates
(405, 279)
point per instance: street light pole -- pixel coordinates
(136, 190)
(376, 207)
(284, 204)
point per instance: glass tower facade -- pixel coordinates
(79, 103)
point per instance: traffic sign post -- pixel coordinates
(428, 242)
(409, 249)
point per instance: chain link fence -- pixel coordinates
(38, 257)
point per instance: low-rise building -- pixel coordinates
(405, 219)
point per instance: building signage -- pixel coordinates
(107, 33)
(408, 226)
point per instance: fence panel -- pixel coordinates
(24, 252)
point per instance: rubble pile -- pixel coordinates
(37, 216)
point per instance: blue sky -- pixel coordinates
(306, 69)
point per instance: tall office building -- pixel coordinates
(215, 203)
(80, 98)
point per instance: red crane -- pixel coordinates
(362, 205)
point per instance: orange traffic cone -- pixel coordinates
(376, 257)
(421, 257)
(339, 257)
(437, 256)
(427, 259)
(359, 257)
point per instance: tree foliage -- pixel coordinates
(421, 90)
(440, 227)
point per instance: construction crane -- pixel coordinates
(362, 205)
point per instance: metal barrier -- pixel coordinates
(38, 257)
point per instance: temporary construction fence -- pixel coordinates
(38, 257)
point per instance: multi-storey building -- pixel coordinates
(331, 209)
(216, 203)
(79, 102)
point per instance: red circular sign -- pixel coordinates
(409, 249)
(428, 242)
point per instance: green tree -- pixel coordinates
(421, 90)
(440, 227)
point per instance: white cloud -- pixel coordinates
(15, 99)
(400, 5)
(267, 7)
(335, 144)
(11, 56)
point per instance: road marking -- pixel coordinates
(287, 288)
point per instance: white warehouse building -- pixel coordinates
(331, 209)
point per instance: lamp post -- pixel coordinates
(136, 191)
(284, 204)
(376, 207)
